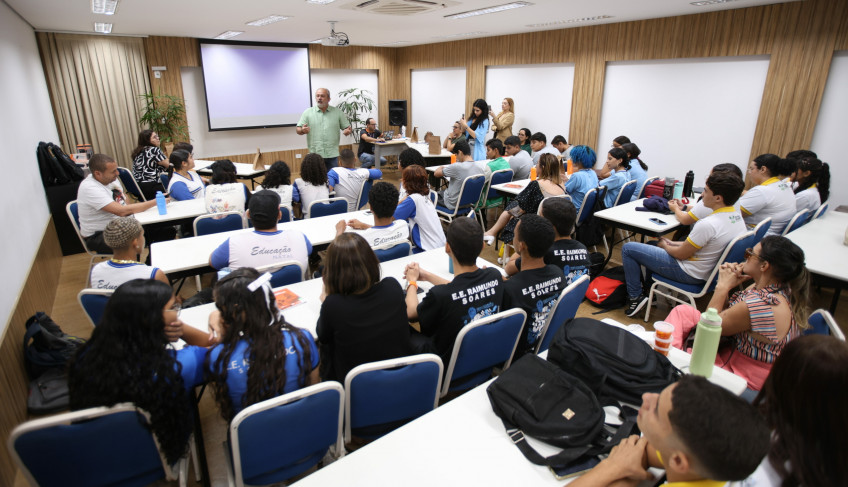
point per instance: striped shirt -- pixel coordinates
(760, 303)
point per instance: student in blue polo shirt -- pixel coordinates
(584, 178)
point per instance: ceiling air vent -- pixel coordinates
(399, 7)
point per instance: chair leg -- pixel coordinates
(197, 281)
(195, 460)
(650, 302)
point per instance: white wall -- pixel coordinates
(829, 136)
(218, 143)
(542, 94)
(684, 113)
(438, 99)
(25, 119)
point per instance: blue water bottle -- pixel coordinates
(160, 203)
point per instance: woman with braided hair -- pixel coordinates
(260, 356)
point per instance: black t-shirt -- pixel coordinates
(570, 255)
(535, 291)
(367, 147)
(361, 328)
(449, 307)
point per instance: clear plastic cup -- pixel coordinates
(661, 346)
(663, 330)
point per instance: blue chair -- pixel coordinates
(734, 252)
(760, 230)
(482, 345)
(94, 447)
(820, 211)
(285, 216)
(330, 206)
(362, 200)
(434, 197)
(283, 274)
(382, 396)
(279, 438)
(163, 178)
(469, 195)
(546, 198)
(588, 206)
(500, 176)
(130, 184)
(564, 309)
(93, 302)
(392, 252)
(210, 223)
(625, 193)
(645, 185)
(796, 222)
(822, 323)
(72, 209)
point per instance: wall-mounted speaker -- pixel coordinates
(397, 112)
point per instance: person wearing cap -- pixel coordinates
(265, 244)
(125, 236)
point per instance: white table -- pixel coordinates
(460, 443)
(396, 146)
(626, 217)
(187, 255)
(177, 210)
(508, 189)
(824, 253)
(243, 170)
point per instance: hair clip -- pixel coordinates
(253, 286)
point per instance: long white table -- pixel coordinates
(512, 188)
(460, 443)
(177, 210)
(243, 170)
(396, 146)
(626, 217)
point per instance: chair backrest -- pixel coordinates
(822, 323)
(72, 209)
(546, 198)
(390, 393)
(283, 274)
(500, 176)
(482, 345)
(93, 302)
(760, 230)
(625, 193)
(392, 252)
(588, 205)
(96, 446)
(362, 200)
(434, 196)
(218, 222)
(130, 184)
(820, 211)
(796, 222)
(472, 189)
(279, 438)
(645, 185)
(564, 309)
(164, 179)
(329, 206)
(734, 252)
(285, 216)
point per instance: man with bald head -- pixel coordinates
(321, 125)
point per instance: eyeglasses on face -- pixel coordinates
(749, 252)
(177, 307)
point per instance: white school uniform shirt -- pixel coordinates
(710, 236)
(92, 196)
(773, 198)
(395, 233)
(809, 199)
(699, 211)
(193, 183)
(256, 249)
(284, 190)
(225, 197)
(346, 182)
(110, 275)
(424, 224)
(309, 193)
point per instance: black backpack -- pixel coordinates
(46, 346)
(618, 365)
(56, 166)
(539, 399)
(591, 231)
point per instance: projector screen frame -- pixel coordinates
(249, 43)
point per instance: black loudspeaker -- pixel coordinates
(397, 112)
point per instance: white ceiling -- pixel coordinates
(308, 22)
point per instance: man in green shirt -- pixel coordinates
(321, 125)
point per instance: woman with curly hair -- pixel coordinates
(312, 183)
(127, 360)
(278, 180)
(419, 211)
(148, 163)
(260, 356)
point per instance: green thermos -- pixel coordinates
(707, 336)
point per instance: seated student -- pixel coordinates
(688, 214)
(538, 142)
(804, 400)
(701, 434)
(224, 192)
(265, 245)
(260, 356)
(536, 287)
(524, 137)
(183, 182)
(473, 293)
(559, 143)
(125, 236)
(184, 146)
(278, 180)
(100, 199)
(813, 179)
(407, 158)
(566, 253)
(638, 168)
(363, 319)
(348, 179)
(456, 134)
(367, 137)
(464, 168)
(620, 140)
(617, 165)
(312, 183)
(418, 210)
(770, 197)
(386, 231)
(692, 260)
(496, 162)
(520, 161)
(127, 360)
(583, 178)
(761, 319)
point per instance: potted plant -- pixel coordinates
(357, 104)
(166, 115)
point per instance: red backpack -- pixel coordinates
(608, 290)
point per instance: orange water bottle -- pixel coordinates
(569, 167)
(533, 173)
(453, 158)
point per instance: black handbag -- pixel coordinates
(49, 393)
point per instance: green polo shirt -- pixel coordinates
(324, 130)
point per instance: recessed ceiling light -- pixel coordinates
(103, 28)
(571, 21)
(710, 2)
(106, 7)
(461, 34)
(228, 34)
(320, 2)
(489, 10)
(267, 20)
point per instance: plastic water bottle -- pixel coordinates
(533, 173)
(707, 335)
(160, 203)
(688, 181)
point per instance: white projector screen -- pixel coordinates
(255, 85)
(829, 135)
(684, 113)
(438, 99)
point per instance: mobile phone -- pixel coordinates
(574, 469)
(367, 212)
(657, 221)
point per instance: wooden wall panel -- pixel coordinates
(38, 294)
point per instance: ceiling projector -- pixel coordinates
(335, 39)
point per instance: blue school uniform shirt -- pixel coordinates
(191, 358)
(614, 182)
(636, 172)
(579, 184)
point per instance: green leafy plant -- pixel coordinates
(166, 115)
(357, 104)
